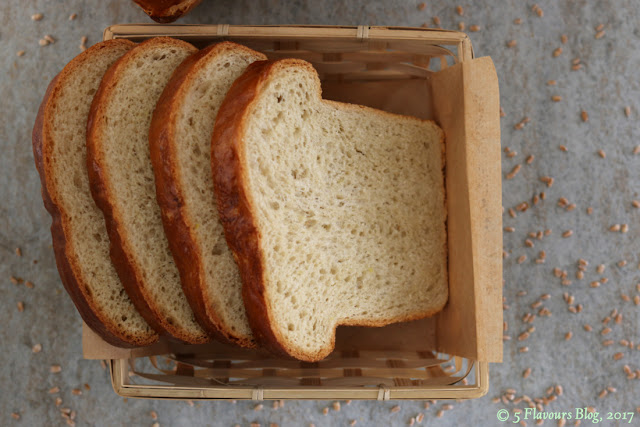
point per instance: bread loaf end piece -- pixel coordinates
(166, 11)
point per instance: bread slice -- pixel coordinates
(180, 143)
(80, 240)
(165, 11)
(123, 186)
(335, 212)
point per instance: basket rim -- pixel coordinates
(363, 33)
(462, 50)
(118, 372)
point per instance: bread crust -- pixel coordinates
(121, 253)
(236, 207)
(170, 195)
(67, 263)
(166, 11)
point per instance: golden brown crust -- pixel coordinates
(236, 209)
(70, 271)
(169, 194)
(166, 11)
(132, 279)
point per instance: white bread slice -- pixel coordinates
(180, 143)
(122, 184)
(335, 212)
(80, 240)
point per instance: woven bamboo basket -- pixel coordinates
(412, 369)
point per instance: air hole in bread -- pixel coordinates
(219, 248)
(77, 181)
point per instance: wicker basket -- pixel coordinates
(368, 363)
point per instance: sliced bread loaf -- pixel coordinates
(122, 184)
(335, 212)
(180, 143)
(80, 240)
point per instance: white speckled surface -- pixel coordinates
(603, 87)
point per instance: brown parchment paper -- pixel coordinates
(468, 109)
(464, 100)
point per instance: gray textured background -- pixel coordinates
(603, 87)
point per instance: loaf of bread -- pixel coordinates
(122, 183)
(165, 11)
(335, 213)
(180, 143)
(80, 240)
